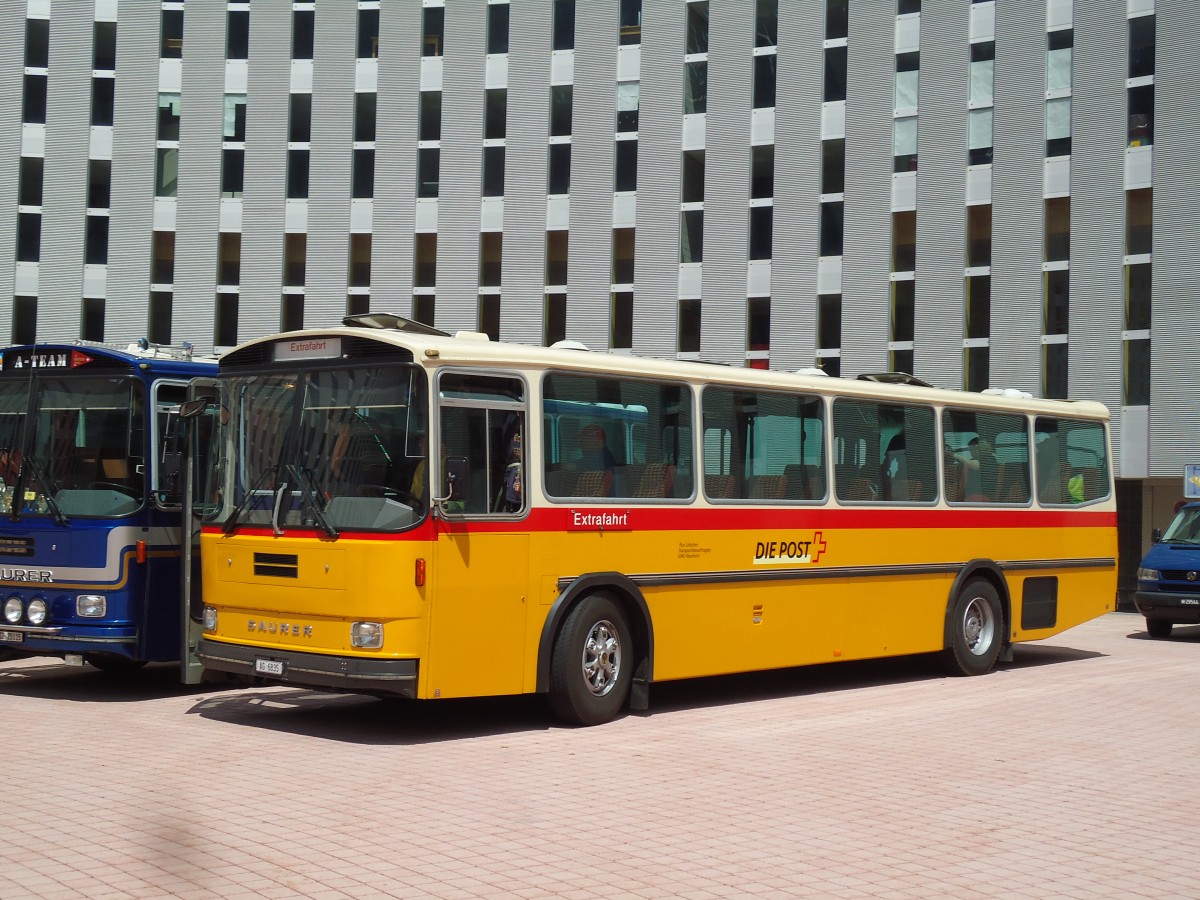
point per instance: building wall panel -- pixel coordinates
(12, 75)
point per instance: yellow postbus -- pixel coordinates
(392, 510)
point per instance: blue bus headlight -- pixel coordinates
(92, 606)
(366, 635)
(12, 610)
(1147, 574)
(36, 611)
(210, 618)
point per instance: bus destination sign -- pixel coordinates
(45, 359)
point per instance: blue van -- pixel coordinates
(1169, 577)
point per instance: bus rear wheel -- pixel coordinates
(975, 629)
(591, 665)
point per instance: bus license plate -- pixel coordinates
(1190, 601)
(268, 666)
(14, 637)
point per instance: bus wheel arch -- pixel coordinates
(637, 657)
(978, 616)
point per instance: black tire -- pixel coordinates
(974, 629)
(115, 665)
(1158, 628)
(591, 668)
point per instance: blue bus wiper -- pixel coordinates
(309, 488)
(48, 489)
(232, 522)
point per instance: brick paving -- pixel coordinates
(1071, 772)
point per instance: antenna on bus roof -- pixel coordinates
(391, 322)
(893, 378)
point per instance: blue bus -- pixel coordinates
(90, 513)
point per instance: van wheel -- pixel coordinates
(115, 665)
(975, 630)
(1158, 628)
(591, 666)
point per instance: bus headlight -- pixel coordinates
(36, 611)
(366, 635)
(1147, 574)
(91, 606)
(13, 610)
(210, 618)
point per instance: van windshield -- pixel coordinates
(1186, 527)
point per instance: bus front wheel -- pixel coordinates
(590, 669)
(1158, 628)
(975, 629)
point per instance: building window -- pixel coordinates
(368, 34)
(291, 312)
(1138, 306)
(428, 172)
(302, 33)
(358, 304)
(833, 166)
(977, 365)
(622, 255)
(235, 118)
(697, 28)
(1141, 116)
(554, 321)
(1139, 221)
(762, 171)
(423, 311)
(168, 117)
(166, 174)
(1058, 127)
(979, 137)
(983, 72)
(233, 169)
(300, 118)
(758, 329)
(691, 236)
(104, 46)
(225, 331)
(425, 263)
(33, 102)
(631, 21)
(564, 25)
(1054, 371)
(1137, 373)
(103, 100)
(95, 241)
(904, 145)
(429, 118)
(29, 237)
(489, 316)
(99, 183)
(979, 235)
(835, 74)
(621, 331)
(908, 80)
(1058, 229)
(904, 316)
(836, 20)
(559, 174)
(556, 257)
(904, 241)
(158, 317)
(979, 308)
(360, 260)
(695, 88)
(764, 81)
(692, 190)
(905, 7)
(497, 28)
(237, 34)
(433, 30)
(229, 258)
(626, 166)
(829, 321)
(363, 174)
(162, 258)
(561, 96)
(493, 171)
(37, 43)
(24, 320)
(766, 24)
(91, 319)
(495, 120)
(1058, 59)
(364, 116)
(172, 34)
(1141, 46)
(491, 247)
(295, 251)
(1138, 294)
(29, 193)
(627, 106)
(762, 220)
(689, 326)
(297, 174)
(832, 230)
(1058, 306)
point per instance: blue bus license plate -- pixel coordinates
(269, 666)
(13, 637)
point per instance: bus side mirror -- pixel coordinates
(1155, 535)
(456, 479)
(189, 409)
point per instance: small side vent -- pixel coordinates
(16, 546)
(276, 565)
(1039, 603)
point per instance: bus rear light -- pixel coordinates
(13, 608)
(420, 572)
(366, 635)
(91, 606)
(210, 618)
(36, 611)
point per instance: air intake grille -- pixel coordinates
(16, 546)
(276, 565)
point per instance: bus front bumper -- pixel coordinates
(1181, 609)
(393, 677)
(58, 640)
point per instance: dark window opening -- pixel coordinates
(237, 36)
(693, 177)
(554, 326)
(495, 120)
(631, 21)
(979, 235)
(979, 306)
(33, 102)
(691, 236)
(158, 317)
(766, 24)
(762, 171)
(758, 323)
(360, 261)
(297, 174)
(559, 180)
(1141, 115)
(835, 74)
(695, 88)
(99, 183)
(428, 172)
(829, 321)
(904, 241)
(429, 124)
(833, 166)
(162, 258)
(363, 174)
(622, 255)
(689, 326)
(425, 263)
(104, 46)
(1141, 46)
(489, 316)
(233, 170)
(364, 116)
(762, 219)
(497, 27)
(95, 241)
(493, 171)
(423, 308)
(299, 118)
(433, 30)
(622, 320)
(302, 33)
(172, 34)
(697, 28)
(24, 320)
(491, 254)
(37, 43)
(832, 229)
(764, 81)
(626, 166)
(91, 324)
(564, 25)
(291, 312)
(904, 312)
(229, 258)
(29, 237)
(226, 329)
(556, 257)
(561, 102)
(368, 34)
(837, 19)
(103, 96)
(1058, 301)
(295, 250)
(30, 191)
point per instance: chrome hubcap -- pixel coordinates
(601, 658)
(978, 626)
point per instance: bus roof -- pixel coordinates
(73, 355)
(473, 349)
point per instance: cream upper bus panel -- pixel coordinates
(433, 350)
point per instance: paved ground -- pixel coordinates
(1072, 772)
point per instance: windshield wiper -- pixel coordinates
(29, 464)
(311, 492)
(232, 521)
